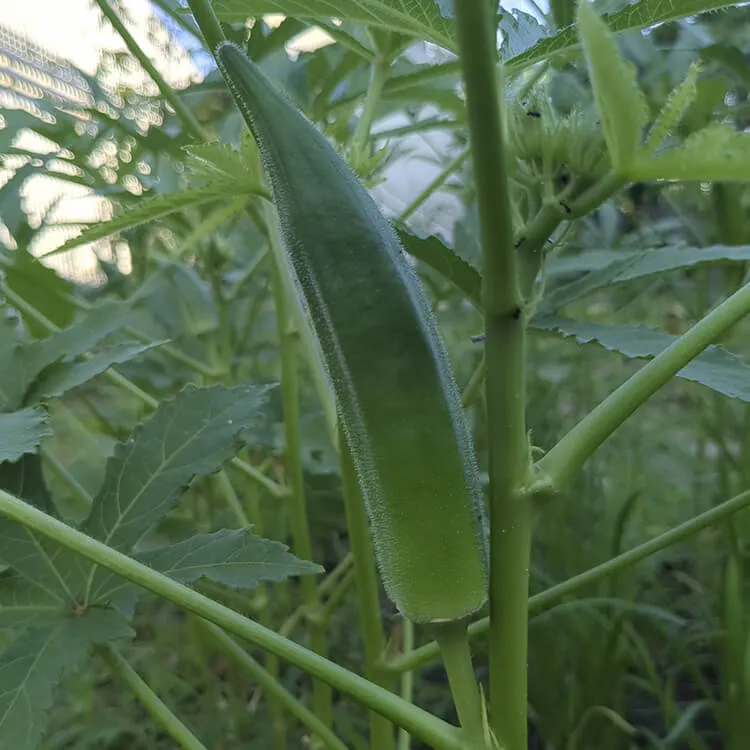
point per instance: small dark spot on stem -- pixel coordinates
(517, 312)
(534, 113)
(519, 242)
(478, 338)
(566, 207)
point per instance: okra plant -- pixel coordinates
(353, 312)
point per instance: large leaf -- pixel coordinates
(33, 665)
(634, 266)
(638, 15)
(21, 432)
(716, 368)
(189, 436)
(620, 101)
(233, 557)
(149, 209)
(63, 376)
(420, 18)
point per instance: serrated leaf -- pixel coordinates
(420, 18)
(33, 665)
(145, 210)
(219, 162)
(93, 326)
(638, 15)
(674, 109)
(620, 101)
(715, 368)
(188, 436)
(639, 265)
(21, 432)
(718, 152)
(432, 251)
(232, 557)
(521, 31)
(65, 376)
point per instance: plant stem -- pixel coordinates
(572, 451)
(80, 492)
(551, 596)
(407, 680)
(510, 514)
(436, 184)
(454, 647)
(368, 590)
(378, 76)
(302, 543)
(150, 700)
(207, 22)
(273, 687)
(224, 486)
(112, 375)
(181, 110)
(432, 730)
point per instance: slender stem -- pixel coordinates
(510, 513)
(80, 492)
(297, 508)
(150, 700)
(474, 386)
(224, 485)
(378, 77)
(432, 730)
(572, 451)
(436, 184)
(326, 610)
(273, 687)
(368, 590)
(183, 112)
(454, 647)
(119, 380)
(551, 596)
(407, 681)
(207, 22)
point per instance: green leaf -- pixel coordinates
(145, 210)
(213, 163)
(65, 376)
(93, 326)
(189, 436)
(232, 557)
(21, 432)
(39, 286)
(678, 102)
(432, 251)
(715, 368)
(718, 153)
(638, 15)
(12, 382)
(33, 665)
(636, 266)
(620, 101)
(521, 31)
(419, 18)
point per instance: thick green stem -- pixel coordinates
(297, 508)
(119, 380)
(368, 591)
(150, 700)
(360, 139)
(510, 513)
(568, 456)
(273, 687)
(553, 595)
(454, 647)
(183, 112)
(435, 732)
(407, 681)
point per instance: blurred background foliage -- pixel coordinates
(641, 659)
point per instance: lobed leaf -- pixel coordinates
(419, 18)
(33, 665)
(189, 436)
(638, 15)
(715, 368)
(620, 101)
(21, 432)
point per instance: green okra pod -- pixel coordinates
(397, 399)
